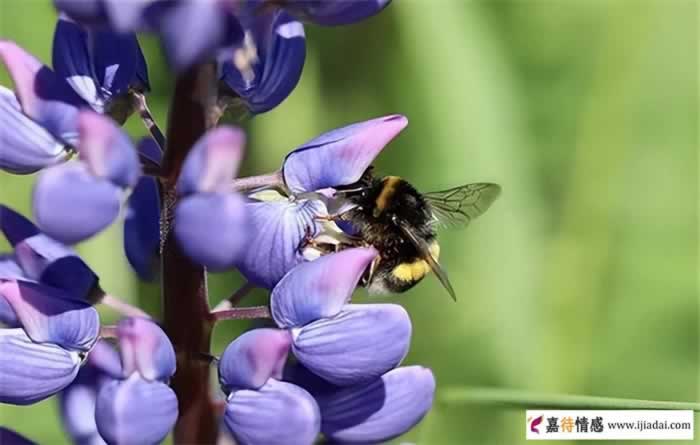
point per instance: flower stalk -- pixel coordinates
(242, 313)
(186, 316)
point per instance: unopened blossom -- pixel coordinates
(75, 201)
(266, 66)
(260, 408)
(142, 218)
(281, 226)
(211, 223)
(139, 407)
(77, 401)
(41, 259)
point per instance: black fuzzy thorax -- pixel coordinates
(379, 226)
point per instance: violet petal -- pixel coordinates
(253, 358)
(380, 410)
(145, 349)
(359, 344)
(213, 162)
(278, 414)
(44, 96)
(213, 228)
(279, 227)
(319, 288)
(267, 65)
(49, 315)
(135, 411)
(26, 146)
(339, 157)
(71, 205)
(29, 371)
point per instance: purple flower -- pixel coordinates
(41, 259)
(73, 202)
(378, 410)
(44, 97)
(49, 315)
(190, 31)
(335, 12)
(210, 221)
(140, 407)
(282, 226)
(43, 353)
(266, 66)
(28, 147)
(77, 401)
(29, 371)
(260, 408)
(101, 66)
(342, 343)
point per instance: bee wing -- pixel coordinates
(424, 251)
(458, 206)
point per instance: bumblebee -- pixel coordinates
(389, 214)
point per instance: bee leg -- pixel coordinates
(372, 269)
(307, 240)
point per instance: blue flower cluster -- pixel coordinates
(329, 367)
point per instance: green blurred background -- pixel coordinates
(583, 277)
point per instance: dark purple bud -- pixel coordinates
(9, 437)
(29, 371)
(142, 228)
(135, 411)
(101, 66)
(15, 227)
(26, 146)
(279, 229)
(145, 349)
(319, 288)
(341, 156)
(276, 414)
(253, 358)
(49, 315)
(359, 344)
(266, 66)
(380, 410)
(335, 12)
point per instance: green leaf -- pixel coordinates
(515, 398)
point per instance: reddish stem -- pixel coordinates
(242, 313)
(184, 288)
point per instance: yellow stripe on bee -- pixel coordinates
(388, 190)
(418, 269)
